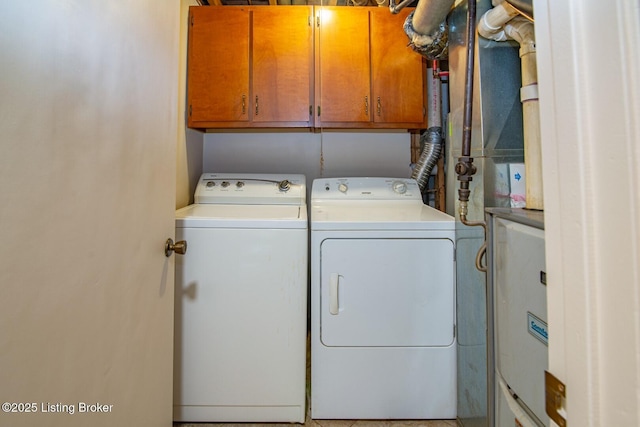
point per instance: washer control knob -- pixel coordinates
(399, 187)
(225, 184)
(240, 184)
(210, 184)
(342, 187)
(284, 185)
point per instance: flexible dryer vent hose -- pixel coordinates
(432, 142)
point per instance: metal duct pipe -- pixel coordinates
(431, 139)
(502, 23)
(426, 27)
(429, 14)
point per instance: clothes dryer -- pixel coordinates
(241, 300)
(383, 342)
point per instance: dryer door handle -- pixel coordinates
(334, 283)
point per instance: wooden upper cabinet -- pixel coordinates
(367, 75)
(250, 66)
(343, 61)
(397, 72)
(218, 66)
(282, 71)
(283, 66)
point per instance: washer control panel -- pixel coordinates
(255, 189)
(365, 189)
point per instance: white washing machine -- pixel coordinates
(383, 342)
(241, 300)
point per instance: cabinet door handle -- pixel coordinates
(366, 105)
(379, 106)
(256, 105)
(244, 104)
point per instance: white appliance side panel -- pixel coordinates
(241, 304)
(521, 311)
(387, 292)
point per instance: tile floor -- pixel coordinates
(334, 423)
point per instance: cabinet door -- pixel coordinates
(397, 72)
(343, 80)
(218, 66)
(282, 69)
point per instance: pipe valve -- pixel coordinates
(465, 168)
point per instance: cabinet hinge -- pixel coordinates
(192, 20)
(317, 21)
(555, 395)
(190, 110)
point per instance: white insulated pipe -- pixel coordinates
(429, 14)
(503, 23)
(521, 30)
(426, 27)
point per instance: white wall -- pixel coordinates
(326, 154)
(189, 145)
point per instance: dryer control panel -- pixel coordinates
(252, 189)
(365, 188)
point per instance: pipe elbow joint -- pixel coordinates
(488, 31)
(522, 31)
(432, 46)
(491, 24)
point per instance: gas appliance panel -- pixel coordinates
(519, 316)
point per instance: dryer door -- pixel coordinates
(387, 292)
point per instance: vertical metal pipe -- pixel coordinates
(468, 79)
(465, 168)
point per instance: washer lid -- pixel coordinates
(242, 216)
(375, 215)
